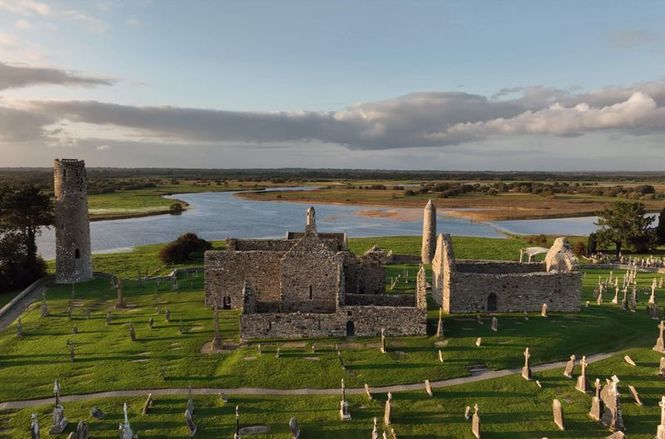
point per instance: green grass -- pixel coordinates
(510, 408)
(161, 357)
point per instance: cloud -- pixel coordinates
(22, 24)
(25, 7)
(35, 8)
(15, 76)
(625, 39)
(427, 119)
(103, 147)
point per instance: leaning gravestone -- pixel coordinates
(557, 412)
(34, 427)
(475, 422)
(570, 367)
(387, 409)
(428, 388)
(635, 395)
(82, 431)
(191, 426)
(295, 429)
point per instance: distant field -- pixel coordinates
(503, 206)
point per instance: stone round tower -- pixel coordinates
(429, 233)
(73, 261)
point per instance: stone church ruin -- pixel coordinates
(461, 286)
(309, 284)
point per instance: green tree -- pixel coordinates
(625, 224)
(660, 229)
(592, 244)
(23, 211)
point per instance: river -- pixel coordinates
(217, 215)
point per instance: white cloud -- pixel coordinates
(103, 147)
(25, 7)
(22, 24)
(28, 8)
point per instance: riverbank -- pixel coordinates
(477, 208)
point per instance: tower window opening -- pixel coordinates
(77, 254)
(310, 292)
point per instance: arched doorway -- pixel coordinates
(226, 303)
(491, 302)
(350, 328)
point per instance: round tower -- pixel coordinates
(73, 260)
(429, 233)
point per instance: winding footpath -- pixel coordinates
(488, 375)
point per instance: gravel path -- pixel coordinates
(12, 405)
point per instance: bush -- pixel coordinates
(187, 247)
(175, 209)
(579, 248)
(540, 240)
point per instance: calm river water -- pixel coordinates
(217, 215)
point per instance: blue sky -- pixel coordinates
(504, 85)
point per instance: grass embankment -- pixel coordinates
(504, 206)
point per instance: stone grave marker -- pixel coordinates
(526, 370)
(295, 429)
(557, 412)
(635, 395)
(660, 342)
(582, 383)
(570, 367)
(475, 422)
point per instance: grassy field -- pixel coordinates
(162, 357)
(504, 206)
(510, 408)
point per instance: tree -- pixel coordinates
(592, 244)
(187, 247)
(23, 211)
(660, 229)
(625, 224)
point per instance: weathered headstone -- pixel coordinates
(570, 367)
(475, 422)
(191, 425)
(596, 411)
(635, 395)
(526, 369)
(132, 333)
(612, 417)
(629, 360)
(557, 412)
(495, 324)
(125, 429)
(96, 413)
(439, 325)
(147, 405)
(120, 302)
(344, 412)
(34, 427)
(167, 315)
(277, 352)
(428, 388)
(367, 391)
(543, 310)
(467, 412)
(82, 430)
(660, 342)
(383, 341)
(387, 409)
(59, 421)
(295, 429)
(582, 383)
(375, 430)
(660, 433)
(151, 323)
(479, 341)
(661, 367)
(615, 299)
(440, 356)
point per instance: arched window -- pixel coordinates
(350, 328)
(77, 254)
(491, 302)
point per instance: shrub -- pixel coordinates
(579, 248)
(175, 209)
(186, 248)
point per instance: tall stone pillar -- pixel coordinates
(429, 233)
(73, 260)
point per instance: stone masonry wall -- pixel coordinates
(381, 299)
(469, 292)
(226, 271)
(366, 321)
(498, 267)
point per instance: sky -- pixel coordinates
(442, 85)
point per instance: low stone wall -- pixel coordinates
(470, 292)
(279, 245)
(380, 299)
(498, 267)
(363, 321)
(404, 259)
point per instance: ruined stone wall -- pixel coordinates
(226, 271)
(498, 267)
(309, 274)
(336, 241)
(365, 321)
(443, 265)
(373, 274)
(380, 299)
(276, 245)
(73, 258)
(470, 292)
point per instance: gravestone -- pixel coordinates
(96, 413)
(440, 356)
(635, 395)
(543, 310)
(147, 405)
(120, 302)
(661, 367)
(295, 429)
(82, 431)
(596, 411)
(34, 427)
(387, 409)
(629, 360)
(367, 392)
(660, 342)
(383, 341)
(375, 430)
(570, 367)
(19, 328)
(467, 412)
(151, 323)
(660, 433)
(132, 333)
(475, 422)
(557, 412)
(344, 413)
(191, 425)
(428, 388)
(167, 315)
(125, 429)
(108, 318)
(495, 324)
(615, 299)
(582, 383)
(479, 341)
(59, 422)
(526, 370)
(439, 325)
(612, 417)
(599, 298)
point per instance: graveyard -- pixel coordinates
(92, 351)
